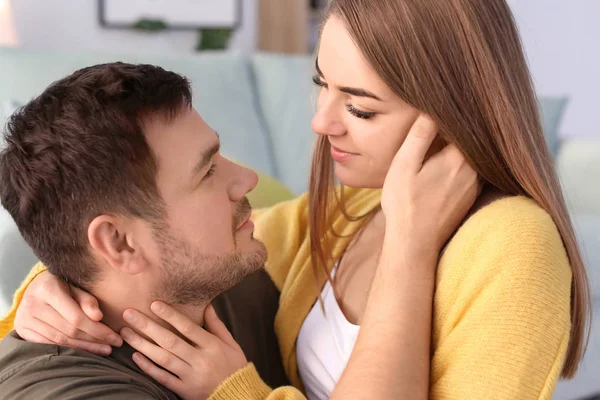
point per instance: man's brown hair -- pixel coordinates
(78, 151)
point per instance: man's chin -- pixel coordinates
(254, 250)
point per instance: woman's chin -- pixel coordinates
(357, 179)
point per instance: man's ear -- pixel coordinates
(113, 238)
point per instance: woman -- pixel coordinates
(511, 294)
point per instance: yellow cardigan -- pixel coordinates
(501, 309)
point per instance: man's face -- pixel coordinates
(205, 244)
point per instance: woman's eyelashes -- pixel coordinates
(318, 81)
(358, 113)
(349, 107)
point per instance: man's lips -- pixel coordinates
(243, 222)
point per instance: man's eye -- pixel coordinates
(211, 171)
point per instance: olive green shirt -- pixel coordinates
(42, 371)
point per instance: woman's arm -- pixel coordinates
(7, 322)
(424, 201)
(502, 310)
(46, 310)
(59, 314)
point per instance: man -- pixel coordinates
(119, 187)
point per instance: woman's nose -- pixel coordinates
(327, 120)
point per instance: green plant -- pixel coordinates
(208, 38)
(213, 39)
(150, 25)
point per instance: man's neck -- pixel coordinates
(114, 299)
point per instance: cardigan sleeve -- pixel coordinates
(8, 321)
(247, 385)
(502, 307)
(282, 228)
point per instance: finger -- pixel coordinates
(182, 323)
(215, 326)
(32, 336)
(88, 303)
(70, 310)
(449, 159)
(161, 376)
(160, 335)
(51, 317)
(160, 356)
(54, 336)
(417, 143)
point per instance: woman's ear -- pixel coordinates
(436, 146)
(112, 239)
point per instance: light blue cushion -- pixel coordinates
(222, 87)
(285, 93)
(552, 110)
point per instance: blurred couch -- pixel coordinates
(262, 106)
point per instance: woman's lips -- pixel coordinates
(340, 155)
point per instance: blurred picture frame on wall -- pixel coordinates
(174, 14)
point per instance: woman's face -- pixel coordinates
(363, 119)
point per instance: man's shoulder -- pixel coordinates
(40, 371)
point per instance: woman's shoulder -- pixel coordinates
(510, 233)
(510, 217)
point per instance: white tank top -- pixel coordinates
(324, 345)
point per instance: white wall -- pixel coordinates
(562, 42)
(73, 25)
(561, 39)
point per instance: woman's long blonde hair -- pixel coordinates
(461, 62)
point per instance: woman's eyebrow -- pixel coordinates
(358, 92)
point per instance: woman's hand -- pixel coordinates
(197, 365)
(56, 313)
(424, 200)
(427, 199)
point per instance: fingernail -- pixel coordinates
(115, 340)
(157, 307)
(130, 316)
(105, 350)
(126, 333)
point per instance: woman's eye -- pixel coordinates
(358, 113)
(317, 81)
(211, 171)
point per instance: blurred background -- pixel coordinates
(250, 63)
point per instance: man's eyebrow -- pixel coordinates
(350, 90)
(206, 157)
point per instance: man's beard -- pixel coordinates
(191, 277)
